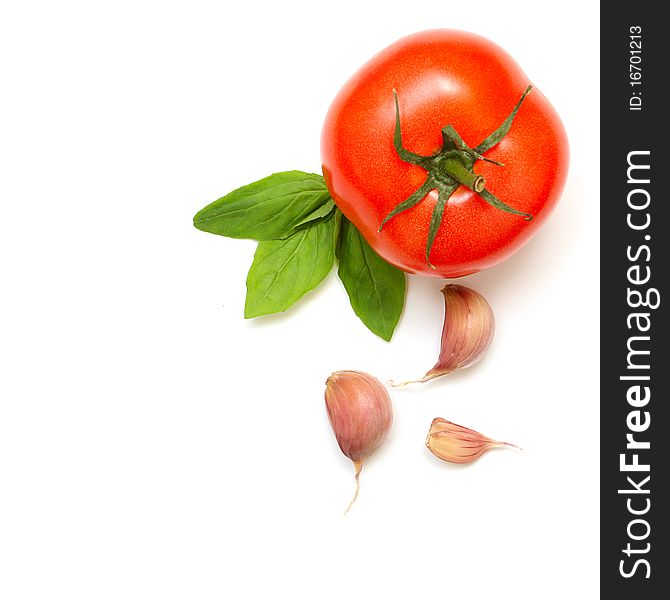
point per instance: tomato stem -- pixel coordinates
(455, 169)
(450, 167)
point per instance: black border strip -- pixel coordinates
(635, 359)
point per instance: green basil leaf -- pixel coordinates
(284, 270)
(320, 213)
(376, 289)
(268, 209)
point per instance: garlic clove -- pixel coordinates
(360, 413)
(457, 444)
(467, 333)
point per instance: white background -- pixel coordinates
(153, 443)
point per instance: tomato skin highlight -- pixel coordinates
(442, 77)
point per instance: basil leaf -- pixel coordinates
(268, 209)
(320, 213)
(284, 270)
(376, 289)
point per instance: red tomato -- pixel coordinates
(442, 77)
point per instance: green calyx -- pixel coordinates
(449, 168)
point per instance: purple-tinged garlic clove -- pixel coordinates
(467, 332)
(458, 444)
(360, 413)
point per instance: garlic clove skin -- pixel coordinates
(469, 325)
(457, 444)
(467, 333)
(360, 413)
